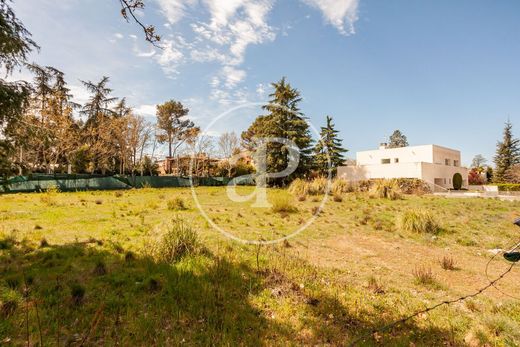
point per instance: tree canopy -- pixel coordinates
(398, 140)
(329, 146)
(507, 154)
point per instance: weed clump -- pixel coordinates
(100, 269)
(448, 263)
(77, 293)
(341, 186)
(44, 243)
(176, 204)
(7, 242)
(375, 286)
(179, 241)
(283, 204)
(419, 221)
(424, 276)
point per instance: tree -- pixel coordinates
(507, 155)
(284, 120)
(478, 163)
(328, 147)
(139, 133)
(15, 45)
(128, 8)
(398, 140)
(174, 128)
(229, 145)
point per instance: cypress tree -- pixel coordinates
(508, 153)
(329, 146)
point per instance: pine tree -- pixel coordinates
(398, 140)
(329, 146)
(508, 153)
(284, 120)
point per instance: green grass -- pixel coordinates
(98, 278)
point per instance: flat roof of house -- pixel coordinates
(411, 147)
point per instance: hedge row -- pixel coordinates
(508, 187)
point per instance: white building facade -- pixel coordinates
(433, 164)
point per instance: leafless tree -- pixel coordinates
(229, 145)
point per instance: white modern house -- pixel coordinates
(433, 164)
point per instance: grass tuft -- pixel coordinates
(424, 276)
(299, 188)
(10, 300)
(77, 293)
(176, 204)
(179, 241)
(318, 186)
(283, 204)
(419, 221)
(386, 189)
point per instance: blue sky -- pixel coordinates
(444, 72)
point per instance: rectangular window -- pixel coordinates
(447, 162)
(385, 161)
(396, 160)
(456, 163)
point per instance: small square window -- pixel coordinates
(447, 162)
(396, 160)
(456, 163)
(386, 161)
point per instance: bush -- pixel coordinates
(419, 221)
(283, 204)
(475, 178)
(386, 189)
(457, 181)
(179, 241)
(177, 204)
(299, 187)
(413, 186)
(318, 186)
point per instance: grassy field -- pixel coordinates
(92, 268)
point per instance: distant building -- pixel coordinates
(434, 164)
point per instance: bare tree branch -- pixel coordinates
(128, 8)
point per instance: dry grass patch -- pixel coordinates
(283, 204)
(448, 263)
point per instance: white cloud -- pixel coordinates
(232, 27)
(146, 110)
(175, 10)
(338, 13)
(232, 76)
(119, 36)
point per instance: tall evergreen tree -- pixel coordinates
(398, 140)
(329, 146)
(284, 120)
(15, 45)
(508, 153)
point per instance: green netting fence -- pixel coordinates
(67, 183)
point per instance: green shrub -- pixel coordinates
(419, 221)
(299, 187)
(179, 241)
(318, 186)
(176, 204)
(386, 189)
(457, 181)
(283, 204)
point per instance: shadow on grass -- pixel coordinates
(96, 294)
(89, 294)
